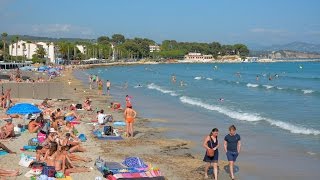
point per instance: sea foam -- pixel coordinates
(307, 91)
(252, 85)
(161, 89)
(251, 117)
(267, 86)
(198, 78)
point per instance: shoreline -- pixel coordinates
(88, 66)
(173, 156)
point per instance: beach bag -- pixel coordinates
(108, 130)
(97, 133)
(33, 142)
(134, 162)
(49, 171)
(79, 106)
(82, 137)
(25, 161)
(210, 152)
(41, 136)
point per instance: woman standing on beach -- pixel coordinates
(211, 142)
(100, 87)
(129, 116)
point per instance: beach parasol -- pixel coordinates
(23, 108)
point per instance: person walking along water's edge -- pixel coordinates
(211, 143)
(232, 147)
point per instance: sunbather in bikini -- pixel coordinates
(7, 130)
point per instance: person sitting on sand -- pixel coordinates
(4, 148)
(115, 106)
(87, 104)
(69, 128)
(72, 115)
(72, 144)
(129, 116)
(8, 173)
(59, 114)
(51, 154)
(45, 103)
(7, 130)
(56, 123)
(34, 125)
(63, 163)
(53, 136)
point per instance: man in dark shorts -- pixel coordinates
(232, 147)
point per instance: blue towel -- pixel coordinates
(119, 123)
(2, 153)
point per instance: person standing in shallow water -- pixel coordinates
(108, 84)
(211, 142)
(232, 147)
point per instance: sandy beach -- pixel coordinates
(172, 156)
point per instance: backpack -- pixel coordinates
(49, 171)
(82, 137)
(41, 136)
(33, 142)
(108, 130)
(79, 106)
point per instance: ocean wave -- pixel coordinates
(267, 86)
(252, 85)
(251, 117)
(209, 79)
(280, 88)
(138, 86)
(307, 91)
(161, 89)
(198, 78)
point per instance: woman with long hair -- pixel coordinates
(211, 143)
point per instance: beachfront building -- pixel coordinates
(154, 48)
(81, 48)
(27, 50)
(198, 57)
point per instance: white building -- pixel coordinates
(22, 48)
(154, 48)
(81, 48)
(198, 57)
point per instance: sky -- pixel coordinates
(261, 22)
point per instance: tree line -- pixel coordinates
(127, 49)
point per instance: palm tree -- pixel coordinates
(17, 40)
(12, 46)
(23, 50)
(4, 36)
(29, 48)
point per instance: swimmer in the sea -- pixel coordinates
(257, 78)
(173, 78)
(181, 83)
(221, 99)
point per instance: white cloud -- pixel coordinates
(266, 30)
(51, 28)
(61, 30)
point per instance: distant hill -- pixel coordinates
(294, 46)
(48, 39)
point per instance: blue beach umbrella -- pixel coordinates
(24, 108)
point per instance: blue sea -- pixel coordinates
(275, 107)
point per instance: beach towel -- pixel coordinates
(97, 133)
(134, 162)
(25, 161)
(29, 148)
(119, 123)
(114, 165)
(2, 153)
(110, 138)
